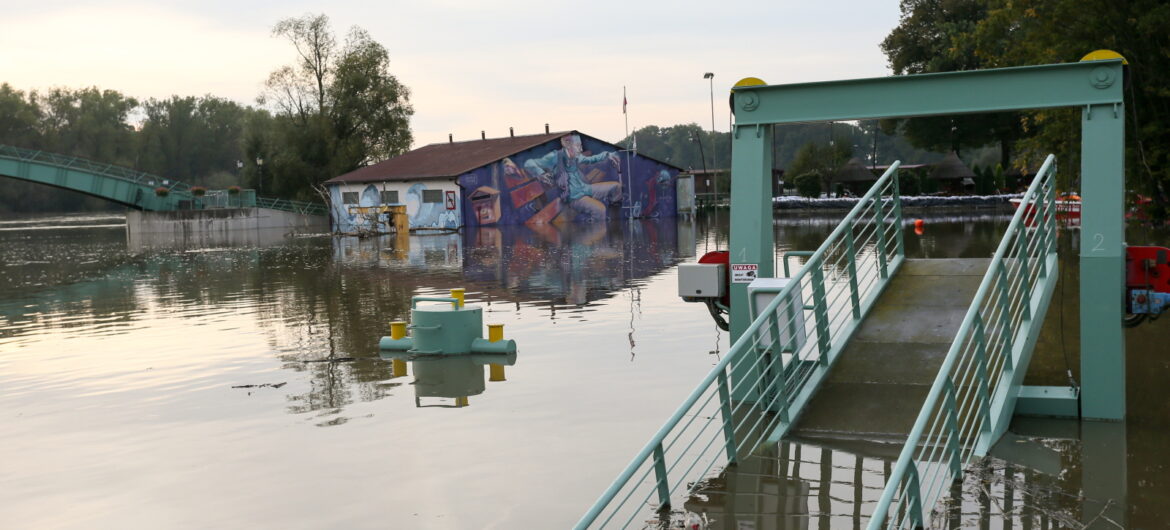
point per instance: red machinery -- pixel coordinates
(1147, 283)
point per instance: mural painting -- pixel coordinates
(441, 215)
(572, 179)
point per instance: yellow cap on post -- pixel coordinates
(1104, 55)
(457, 294)
(397, 329)
(495, 332)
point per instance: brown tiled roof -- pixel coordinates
(446, 159)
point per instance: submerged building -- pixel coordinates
(558, 177)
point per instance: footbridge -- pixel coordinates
(919, 363)
(131, 188)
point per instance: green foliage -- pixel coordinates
(941, 35)
(335, 110)
(935, 36)
(809, 184)
(908, 183)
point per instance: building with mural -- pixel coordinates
(560, 177)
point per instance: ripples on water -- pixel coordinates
(154, 383)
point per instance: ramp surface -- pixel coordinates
(875, 390)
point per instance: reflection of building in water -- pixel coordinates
(434, 251)
(573, 264)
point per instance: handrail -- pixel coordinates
(969, 409)
(760, 387)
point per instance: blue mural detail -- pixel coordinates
(573, 179)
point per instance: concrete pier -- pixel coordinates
(219, 223)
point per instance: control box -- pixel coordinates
(701, 280)
(789, 317)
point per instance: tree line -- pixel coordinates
(337, 107)
(951, 35)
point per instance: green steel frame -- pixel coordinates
(1094, 86)
(134, 189)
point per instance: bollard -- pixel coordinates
(457, 293)
(397, 331)
(495, 371)
(461, 402)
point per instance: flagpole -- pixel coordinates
(626, 191)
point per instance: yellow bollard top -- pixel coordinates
(397, 329)
(495, 332)
(457, 293)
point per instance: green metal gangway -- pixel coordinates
(756, 395)
(784, 351)
(128, 187)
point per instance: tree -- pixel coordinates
(1023, 32)
(809, 184)
(335, 109)
(937, 36)
(190, 138)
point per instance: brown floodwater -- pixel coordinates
(193, 384)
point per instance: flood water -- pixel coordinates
(194, 384)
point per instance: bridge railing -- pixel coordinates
(286, 205)
(760, 387)
(971, 397)
(107, 170)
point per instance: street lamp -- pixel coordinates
(260, 174)
(710, 77)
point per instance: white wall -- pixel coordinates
(422, 215)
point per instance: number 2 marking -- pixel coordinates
(1100, 239)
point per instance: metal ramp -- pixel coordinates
(877, 387)
(940, 347)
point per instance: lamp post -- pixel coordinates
(710, 77)
(259, 175)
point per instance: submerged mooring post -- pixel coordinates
(454, 329)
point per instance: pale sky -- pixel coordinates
(471, 66)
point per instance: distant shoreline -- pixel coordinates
(845, 203)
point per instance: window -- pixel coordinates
(349, 197)
(389, 197)
(432, 195)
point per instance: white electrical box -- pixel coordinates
(789, 316)
(701, 280)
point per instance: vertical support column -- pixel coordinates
(1102, 261)
(752, 241)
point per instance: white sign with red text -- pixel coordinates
(744, 272)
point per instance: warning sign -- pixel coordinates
(744, 272)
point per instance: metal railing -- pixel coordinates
(213, 198)
(106, 170)
(971, 399)
(756, 392)
(286, 205)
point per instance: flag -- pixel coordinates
(624, 103)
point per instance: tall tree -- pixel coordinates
(937, 36)
(1023, 32)
(335, 109)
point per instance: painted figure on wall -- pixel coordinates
(563, 167)
(573, 178)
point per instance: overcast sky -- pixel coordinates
(471, 66)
